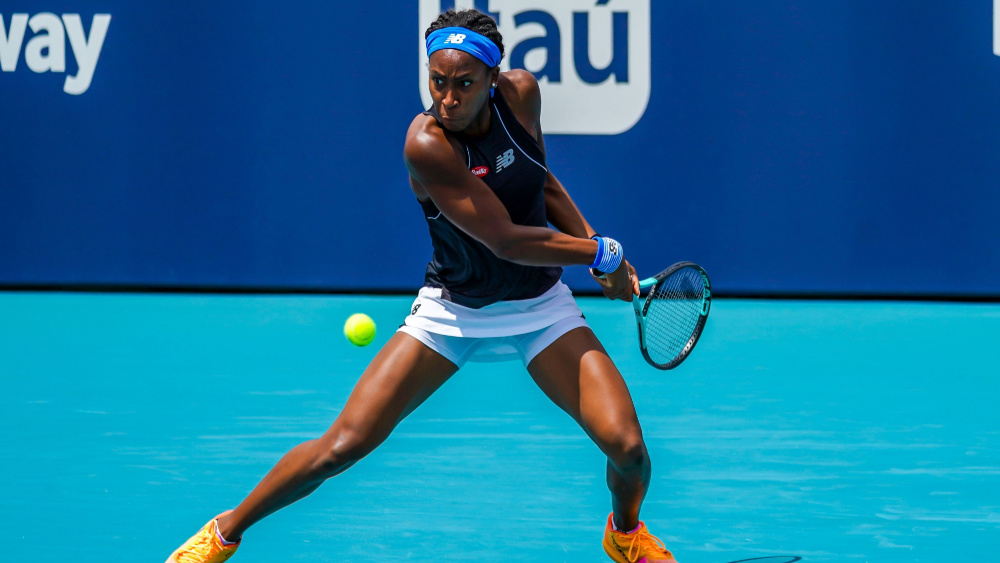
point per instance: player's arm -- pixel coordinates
(473, 207)
(562, 213)
(525, 99)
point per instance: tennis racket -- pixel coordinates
(673, 314)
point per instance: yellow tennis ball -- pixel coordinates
(360, 329)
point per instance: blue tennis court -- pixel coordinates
(830, 431)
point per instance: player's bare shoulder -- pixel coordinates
(422, 137)
(426, 143)
(520, 89)
(424, 133)
(427, 151)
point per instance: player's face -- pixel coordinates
(460, 85)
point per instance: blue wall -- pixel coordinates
(789, 147)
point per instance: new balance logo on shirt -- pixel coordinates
(505, 160)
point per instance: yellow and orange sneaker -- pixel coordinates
(637, 546)
(206, 546)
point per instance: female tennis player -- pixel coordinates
(477, 167)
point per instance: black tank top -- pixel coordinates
(511, 163)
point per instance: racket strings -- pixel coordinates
(673, 316)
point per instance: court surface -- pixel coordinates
(832, 431)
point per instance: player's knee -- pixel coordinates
(341, 449)
(628, 451)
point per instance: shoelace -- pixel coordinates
(197, 550)
(200, 549)
(643, 537)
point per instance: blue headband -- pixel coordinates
(477, 45)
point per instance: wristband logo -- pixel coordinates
(591, 58)
(46, 50)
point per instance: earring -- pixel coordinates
(494, 84)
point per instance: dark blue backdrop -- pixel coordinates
(789, 147)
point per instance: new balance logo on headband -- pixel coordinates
(505, 160)
(455, 38)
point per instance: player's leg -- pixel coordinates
(578, 375)
(403, 374)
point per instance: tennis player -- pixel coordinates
(492, 289)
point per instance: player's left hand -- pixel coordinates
(622, 284)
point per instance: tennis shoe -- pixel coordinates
(639, 546)
(205, 546)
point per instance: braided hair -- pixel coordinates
(473, 20)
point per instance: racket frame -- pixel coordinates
(642, 308)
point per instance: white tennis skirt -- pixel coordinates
(505, 330)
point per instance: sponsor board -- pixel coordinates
(45, 50)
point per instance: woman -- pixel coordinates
(477, 166)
